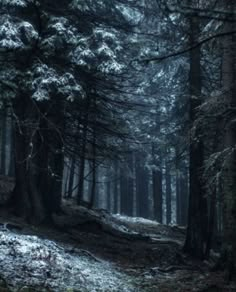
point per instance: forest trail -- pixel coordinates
(96, 251)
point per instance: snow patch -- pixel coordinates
(30, 260)
(138, 220)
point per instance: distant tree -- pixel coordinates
(142, 185)
(127, 186)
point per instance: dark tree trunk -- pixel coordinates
(168, 194)
(197, 215)
(66, 179)
(115, 186)
(38, 160)
(11, 170)
(54, 138)
(157, 172)
(183, 186)
(93, 189)
(157, 185)
(3, 140)
(96, 199)
(71, 178)
(84, 141)
(27, 199)
(127, 188)
(142, 180)
(157, 194)
(178, 195)
(93, 184)
(94, 166)
(108, 191)
(210, 233)
(82, 166)
(229, 168)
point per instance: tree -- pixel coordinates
(197, 217)
(48, 69)
(142, 185)
(229, 167)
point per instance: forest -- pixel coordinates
(118, 145)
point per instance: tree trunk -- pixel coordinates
(197, 214)
(94, 166)
(66, 175)
(53, 150)
(108, 190)
(11, 170)
(127, 188)
(115, 186)
(157, 185)
(210, 233)
(82, 166)
(178, 195)
(27, 199)
(157, 194)
(3, 140)
(229, 170)
(71, 178)
(157, 171)
(183, 188)
(142, 180)
(168, 193)
(96, 198)
(38, 160)
(83, 151)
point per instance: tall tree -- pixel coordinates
(197, 215)
(229, 169)
(168, 192)
(157, 176)
(127, 186)
(142, 185)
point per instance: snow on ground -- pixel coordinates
(138, 220)
(33, 261)
(154, 230)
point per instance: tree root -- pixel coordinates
(174, 268)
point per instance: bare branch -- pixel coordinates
(188, 49)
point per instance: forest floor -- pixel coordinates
(90, 251)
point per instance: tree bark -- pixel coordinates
(38, 160)
(168, 194)
(197, 214)
(3, 140)
(11, 170)
(142, 180)
(71, 178)
(82, 166)
(94, 166)
(108, 191)
(27, 198)
(127, 188)
(83, 151)
(157, 185)
(115, 186)
(183, 184)
(229, 169)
